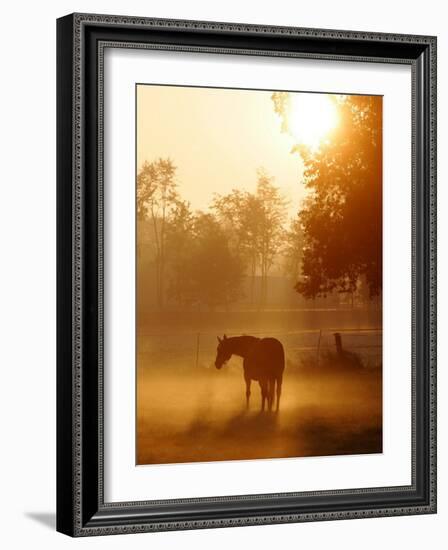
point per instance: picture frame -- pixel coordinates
(81, 506)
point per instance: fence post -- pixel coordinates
(197, 348)
(318, 346)
(338, 342)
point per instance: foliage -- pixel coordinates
(255, 224)
(293, 250)
(200, 259)
(180, 239)
(341, 218)
(204, 271)
(272, 219)
(156, 197)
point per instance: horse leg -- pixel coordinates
(247, 379)
(263, 387)
(279, 392)
(271, 388)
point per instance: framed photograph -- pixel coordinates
(246, 274)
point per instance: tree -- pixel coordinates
(231, 212)
(205, 272)
(240, 214)
(341, 218)
(179, 245)
(293, 250)
(255, 223)
(272, 208)
(156, 197)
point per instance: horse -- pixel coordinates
(263, 361)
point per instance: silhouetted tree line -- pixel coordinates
(201, 259)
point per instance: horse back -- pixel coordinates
(269, 356)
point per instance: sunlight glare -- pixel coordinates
(311, 118)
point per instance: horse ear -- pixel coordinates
(219, 339)
(225, 337)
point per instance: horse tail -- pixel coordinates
(279, 378)
(282, 359)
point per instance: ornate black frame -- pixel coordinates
(81, 39)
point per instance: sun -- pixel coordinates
(311, 117)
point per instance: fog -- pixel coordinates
(259, 213)
(189, 411)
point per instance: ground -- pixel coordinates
(188, 411)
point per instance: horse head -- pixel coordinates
(223, 353)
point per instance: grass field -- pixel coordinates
(188, 411)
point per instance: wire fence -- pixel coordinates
(198, 349)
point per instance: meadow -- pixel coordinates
(188, 411)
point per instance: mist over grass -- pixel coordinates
(188, 411)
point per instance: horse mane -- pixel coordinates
(240, 345)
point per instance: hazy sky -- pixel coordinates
(217, 138)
